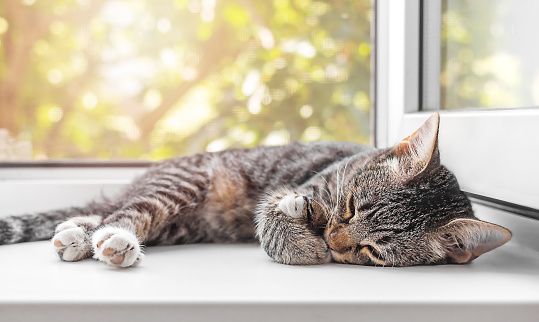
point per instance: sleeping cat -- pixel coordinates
(307, 203)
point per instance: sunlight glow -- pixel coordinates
(55, 114)
(306, 111)
(127, 77)
(3, 25)
(152, 99)
(55, 76)
(250, 83)
(266, 38)
(89, 100)
(125, 125)
(157, 79)
(118, 13)
(254, 104)
(306, 50)
(163, 25)
(189, 73)
(312, 133)
(217, 145)
(168, 57)
(277, 138)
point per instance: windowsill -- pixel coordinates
(240, 282)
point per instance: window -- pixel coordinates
(134, 79)
(456, 57)
(488, 58)
(296, 70)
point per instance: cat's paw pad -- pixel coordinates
(292, 205)
(116, 247)
(71, 242)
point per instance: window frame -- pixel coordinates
(403, 96)
(471, 142)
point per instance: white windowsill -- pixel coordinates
(241, 283)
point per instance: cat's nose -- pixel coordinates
(331, 241)
(333, 235)
(339, 241)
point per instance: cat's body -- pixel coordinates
(312, 202)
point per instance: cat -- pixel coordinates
(306, 203)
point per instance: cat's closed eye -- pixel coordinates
(372, 252)
(384, 240)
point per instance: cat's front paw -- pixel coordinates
(116, 247)
(71, 243)
(293, 205)
(71, 240)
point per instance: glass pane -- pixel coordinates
(134, 79)
(489, 54)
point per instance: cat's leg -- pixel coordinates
(159, 209)
(147, 217)
(283, 227)
(72, 238)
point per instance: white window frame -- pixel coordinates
(493, 152)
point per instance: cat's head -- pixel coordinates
(405, 208)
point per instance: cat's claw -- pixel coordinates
(292, 205)
(116, 247)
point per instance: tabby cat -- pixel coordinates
(307, 203)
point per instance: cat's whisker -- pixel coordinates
(385, 257)
(327, 192)
(321, 176)
(324, 207)
(328, 208)
(344, 173)
(330, 198)
(340, 181)
(321, 200)
(378, 259)
(392, 258)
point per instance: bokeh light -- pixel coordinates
(140, 79)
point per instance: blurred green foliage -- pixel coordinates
(135, 79)
(487, 58)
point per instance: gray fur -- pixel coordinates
(215, 197)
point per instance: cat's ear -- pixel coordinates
(465, 239)
(419, 151)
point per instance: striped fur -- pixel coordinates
(358, 206)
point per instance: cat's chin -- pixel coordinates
(336, 257)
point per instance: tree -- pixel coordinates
(154, 79)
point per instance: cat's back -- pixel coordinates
(256, 169)
(290, 164)
(303, 152)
